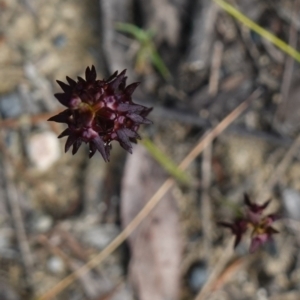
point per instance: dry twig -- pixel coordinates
(89, 283)
(215, 68)
(217, 270)
(279, 171)
(32, 119)
(14, 196)
(288, 68)
(231, 270)
(206, 210)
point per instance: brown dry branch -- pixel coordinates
(43, 240)
(288, 68)
(31, 119)
(230, 271)
(202, 144)
(215, 68)
(203, 35)
(279, 170)
(206, 209)
(77, 249)
(89, 283)
(217, 271)
(14, 196)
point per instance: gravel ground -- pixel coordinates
(58, 211)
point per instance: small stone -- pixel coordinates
(262, 294)
(197, 276)
(100, 236)
(59, 41)
(291, 202)
(43, 150)
(42, 223)
(10, 105)
(56, 265)
(5, 240)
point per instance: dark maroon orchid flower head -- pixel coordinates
(99, 112)
(253, 219)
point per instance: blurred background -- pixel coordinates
(196, 63)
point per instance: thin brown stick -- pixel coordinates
(218, 129)
(206, 210)
(231, 270)
(288, 67)
(89, 284)
(203, 143)
(217, 270)
(215, 68)
(43, 240)
(280, 169)
(13, 196)
(31, 119)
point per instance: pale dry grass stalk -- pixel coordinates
(279, 170)
(227, 254)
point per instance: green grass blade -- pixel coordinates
(139, 34)
(261, 31)
(160, 65)
(145, 39)
(166, 162)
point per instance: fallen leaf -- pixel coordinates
(156, 245)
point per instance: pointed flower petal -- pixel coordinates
(131, 88)
(124, 140)
(98, 142)
(65, 133)
(62, 98)
(66, 88)
(76, 146)
(71, 82)
(115, 84)
(61, 117)
(70, 141)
